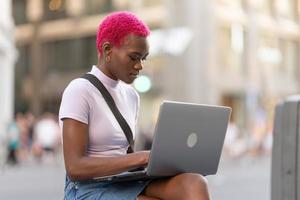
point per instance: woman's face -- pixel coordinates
(127, 60)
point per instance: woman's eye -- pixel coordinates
(137, 58)
(133, 58)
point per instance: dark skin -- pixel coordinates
(124, 63)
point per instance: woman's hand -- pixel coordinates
(143, 156)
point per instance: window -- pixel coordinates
(23, 62)
(21, 74)
(289, 62)
(54, 9)
(269, 55)
(90, 55)
(231, 48)
(286, 9)
(19, 11)
(69, 55)
(98, 6)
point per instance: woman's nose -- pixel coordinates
(139, 65)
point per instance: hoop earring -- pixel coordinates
(107, 59)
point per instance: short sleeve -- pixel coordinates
(74, 103)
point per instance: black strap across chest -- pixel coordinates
(113, 107)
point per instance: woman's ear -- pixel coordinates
(107, 49)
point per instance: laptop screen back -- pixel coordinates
(188, 138)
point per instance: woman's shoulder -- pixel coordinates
(77, 85)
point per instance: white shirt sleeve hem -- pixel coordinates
(74, 116)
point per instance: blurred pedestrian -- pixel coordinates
(46, 137)
(24, 149)
(259, 133)
(93, 143)
(13, 140)
(30, 118)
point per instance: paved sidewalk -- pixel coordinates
(32, 182)
(243, 179)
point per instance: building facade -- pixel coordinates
(241, 53)
(56, 41)
(244, 53)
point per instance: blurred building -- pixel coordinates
(241, 53)
(7, 60)
(56, 42)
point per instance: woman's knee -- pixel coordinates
(193, 184)
(185, 186)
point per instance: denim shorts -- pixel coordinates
(91, 190)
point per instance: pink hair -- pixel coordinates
(118, 25)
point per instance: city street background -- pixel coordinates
(238, 53)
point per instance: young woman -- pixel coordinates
(94, 145)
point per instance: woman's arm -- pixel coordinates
(80, 167)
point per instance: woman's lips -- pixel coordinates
(134, 74)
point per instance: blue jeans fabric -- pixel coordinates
(89, 190)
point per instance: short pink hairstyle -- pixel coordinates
(118, 25)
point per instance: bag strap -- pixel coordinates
(113, 107)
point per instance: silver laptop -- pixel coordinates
(188, 138)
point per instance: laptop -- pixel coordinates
(188, 138)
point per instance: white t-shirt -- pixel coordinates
(82, 101)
